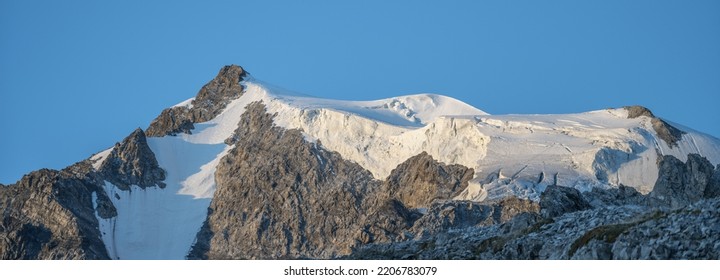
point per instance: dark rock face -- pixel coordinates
(30, 241)
(680, 184)
(279, 196)
(558, 200)
(457, 214)
(132, 162)
(668, 133)
(50, 215)
(209, 102)
(713, 189)
(430, 180)
(621, 195)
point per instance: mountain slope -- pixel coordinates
(512, 154)
(248, 170)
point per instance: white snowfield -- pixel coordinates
(516, 155)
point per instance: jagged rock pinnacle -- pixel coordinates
(132, 162)
(225, 84)
(209, 102)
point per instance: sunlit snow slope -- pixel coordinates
(511, 155)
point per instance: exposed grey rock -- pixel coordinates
(520, 222)
(457, 214)
(457, 236)
(429, 179)
(84, 171)
(597, 248)
(558, 200)
(172, 121)
(557, 238)
(692, 232)
(638, 111)
(132, 162)
(387, 223)
(279, 196)
(543, 239)
(622, 195)
(616, 224)
(49, 215)
(209, 102)
(30, 240)
(680, 184)
(668, 133)
(713, 189)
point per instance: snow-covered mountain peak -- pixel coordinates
(380, 134)
(201, 139)
(246, 169)
(511, 155)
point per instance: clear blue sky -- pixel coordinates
(77, 76)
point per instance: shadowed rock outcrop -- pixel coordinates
(680, 184)
(429, 179)
(558, 200)
(622, 195)
(50, 214)
(668, 133)
(713, 189)
(209, 102)
(132, 162)
(458, 214)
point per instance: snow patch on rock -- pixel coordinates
(98, 159)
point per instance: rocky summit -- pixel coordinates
(245, 170)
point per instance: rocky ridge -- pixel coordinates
(132, 162)
(50, 214)
(209, 102)
(680, 184)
